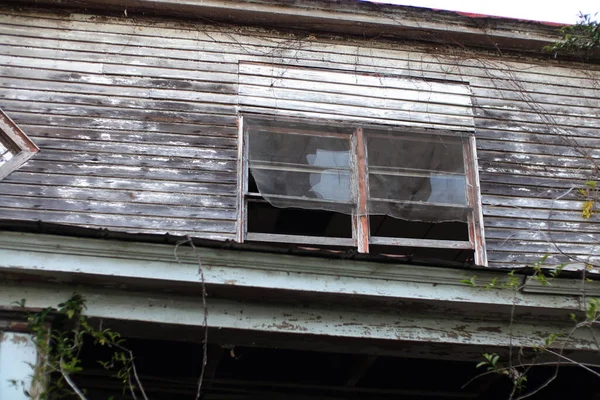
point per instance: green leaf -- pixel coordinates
(495, 360)
(470, 282)
(573, 317)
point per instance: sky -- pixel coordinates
(564, 11)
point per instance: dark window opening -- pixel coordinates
(264, 218)
(386, 226)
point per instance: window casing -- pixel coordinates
(15, 147)
(382, 185)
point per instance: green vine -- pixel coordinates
(589, 193)
(60, 348)
(584, 36)
(553, 344)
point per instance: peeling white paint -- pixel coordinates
(17, 355)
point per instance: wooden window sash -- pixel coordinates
(313, 132)
(360, 220)
(300, 239)
(253, 196)
(360, 217)
(465, 207)
(16, 143)
(412, 172)
(289, 167)
(242, 186)
(429, 243)
(475, 220)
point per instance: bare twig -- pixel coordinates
(72, 384)
(188, 240)
(135, 374)
(582, 365)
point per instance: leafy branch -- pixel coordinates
(60, 349)
(554, 344)
(584, 36)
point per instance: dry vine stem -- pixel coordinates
(188, 240)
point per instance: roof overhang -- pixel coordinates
(345, 17)
(144, 282)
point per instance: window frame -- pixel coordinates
(25, 148)
(361, 238)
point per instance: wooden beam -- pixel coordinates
(374, 323)
(147, 265)
(347, 17)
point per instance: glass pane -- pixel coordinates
(425, 152)
(298, 145)
(435, 188)
(306, 161)
(417, 177)
(422, 212)
(331, 185)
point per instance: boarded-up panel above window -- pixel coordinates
(356, 96)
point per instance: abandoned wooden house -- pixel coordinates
(331, 172)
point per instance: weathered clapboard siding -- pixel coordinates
(137, 124)
(151, 149)
(122, 32)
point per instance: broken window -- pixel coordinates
(378, 189)
(15, 147)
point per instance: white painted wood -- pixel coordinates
(18, 355)
(61, 256)
(332, 321)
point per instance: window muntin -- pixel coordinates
(15, 147)
(361, 174)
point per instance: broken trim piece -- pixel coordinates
(17, 143)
